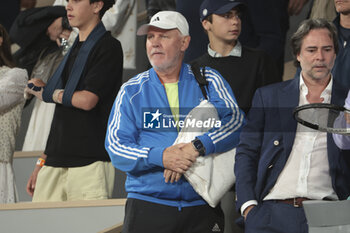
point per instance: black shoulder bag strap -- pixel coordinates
(202, 82)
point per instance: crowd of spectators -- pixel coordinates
(225, 53)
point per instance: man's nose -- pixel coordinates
(320, 55)
(68, 6)
(234, 19)
(155, 41)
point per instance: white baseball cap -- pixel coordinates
(166, 20)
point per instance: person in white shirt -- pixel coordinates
(279, 163)
(12, 83)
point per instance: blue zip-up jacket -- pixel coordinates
(341, 68)
(139, 131)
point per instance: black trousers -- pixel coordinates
(147, 217)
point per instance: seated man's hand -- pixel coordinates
(247, 210)
(347, 117)
(179, 158)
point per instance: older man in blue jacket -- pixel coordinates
(145, 120)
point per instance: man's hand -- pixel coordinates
(64, 35)
(347, 118)
(179, 158)
(171, 176)
(56, 32)
(55, 29)
(35, 87)
(247, 210)
(295, 6)
(32, 180)
(188, 148)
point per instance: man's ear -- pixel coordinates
(1, 40)
(206, 24)
(98, 6)
(185, 42)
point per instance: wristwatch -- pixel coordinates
(198, 146)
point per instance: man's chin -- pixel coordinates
(158, 66)
(320, 76)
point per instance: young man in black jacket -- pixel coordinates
(83, 87)
(245, 69)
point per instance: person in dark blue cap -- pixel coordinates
(244, 68)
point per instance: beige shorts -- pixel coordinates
(92, 182)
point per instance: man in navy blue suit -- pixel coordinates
(279, 163)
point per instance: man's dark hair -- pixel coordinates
(209, 18)
(305, 27)
(106, 5)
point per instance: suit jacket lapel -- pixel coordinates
(288, 99)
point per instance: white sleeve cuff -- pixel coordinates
(56, 94)
(246, 204)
